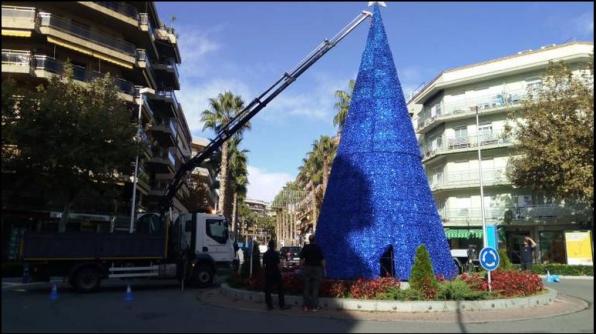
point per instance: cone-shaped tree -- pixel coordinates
(378, 195)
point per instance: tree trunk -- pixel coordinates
(325, 174)
(314, 208)
(223, 181)
(235, 215)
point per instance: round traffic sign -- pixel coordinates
(489, 258)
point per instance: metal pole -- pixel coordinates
(133, 206)
(484, 238)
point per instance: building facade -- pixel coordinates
(204, 178)
(444, 116)
(127, 40)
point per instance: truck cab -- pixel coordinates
(206, 241)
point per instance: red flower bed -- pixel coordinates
(509, 283)
(516, 283)
(365, 289)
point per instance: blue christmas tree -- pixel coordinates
(378, 197)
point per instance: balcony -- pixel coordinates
(167, 43)
(43, 64)
(16, 61)
(486, 104)
(164, 131)
(14, 17)
(120, 7)
(144, 63)
(147, 110)
(163, 161)
(167, 75)
(158, 189)
(143, 181)
(63, 29)
(165, 102)
(467, 179)
(463, 144)
(517, 215)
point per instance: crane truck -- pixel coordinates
(189, 247)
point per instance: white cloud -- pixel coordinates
(195, 98)
(195, 46)
(316, 103)
(264, 185)
(584, 24)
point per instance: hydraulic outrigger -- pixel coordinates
(254, 107)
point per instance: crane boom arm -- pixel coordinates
(238, 121)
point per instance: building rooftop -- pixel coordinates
(461, 74)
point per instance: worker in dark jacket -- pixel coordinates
(313, 269)
(527, 253)
(272, 268)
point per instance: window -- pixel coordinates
(461, 132)
(217, 230)
(485, 132)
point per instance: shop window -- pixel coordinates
(552, 247)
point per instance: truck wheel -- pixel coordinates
(86, 279)
(202, 277)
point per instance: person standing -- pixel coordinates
(527, 253)
(273, 277)
(313, 269)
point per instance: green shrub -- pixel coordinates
(561, 269)
(422, 277)
(459, 290)
(505, 261)
(399, 294)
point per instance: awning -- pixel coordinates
(463, 233)
(16, 33)
(88, 52)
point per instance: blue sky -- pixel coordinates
(245, 47)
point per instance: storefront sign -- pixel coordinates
(579, 247)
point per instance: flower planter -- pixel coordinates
(405, 306)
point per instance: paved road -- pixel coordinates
(160, 307)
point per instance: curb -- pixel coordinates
(404, 306)
(572, 277)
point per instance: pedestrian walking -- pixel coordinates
(273, 278)
(313, 270)
(527, 253)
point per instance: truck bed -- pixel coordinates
(80, 245)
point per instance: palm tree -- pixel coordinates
(238, 174)
(221, 110)
(324, 150)
(343, 105)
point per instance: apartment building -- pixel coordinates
(205, 177)
(127, 40)
(444, 115)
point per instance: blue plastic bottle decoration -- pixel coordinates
(378, 195)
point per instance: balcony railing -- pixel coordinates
(170, 65)
(16, 57)
(484, 103)
(170, 95)
(468, 178)
(50, 20)
(458, 143)
(120, 7)
(496, 214)
(18, 12)
(79, 73)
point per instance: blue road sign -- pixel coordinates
(489, 258)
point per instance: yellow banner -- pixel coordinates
(579, 247)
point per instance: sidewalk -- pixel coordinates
(562, 305)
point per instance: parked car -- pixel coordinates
(290, 255)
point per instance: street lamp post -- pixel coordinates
(484, 237)
(133, 206)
